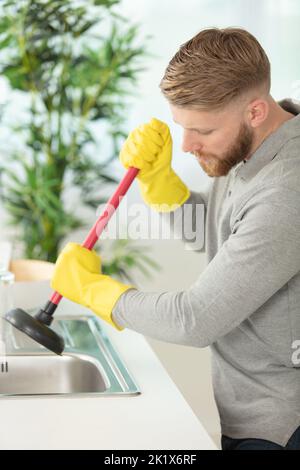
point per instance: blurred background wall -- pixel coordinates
(275, 23)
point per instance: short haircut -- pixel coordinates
(214, 68)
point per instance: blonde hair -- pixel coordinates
(214, 68)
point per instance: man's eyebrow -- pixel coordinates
(196, 128)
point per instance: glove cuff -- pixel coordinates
(165, 192)
(101, 296)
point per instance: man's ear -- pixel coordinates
(257, 112)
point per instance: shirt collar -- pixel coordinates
(273, 143)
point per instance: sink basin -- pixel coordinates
(48, 374)
(90, 365)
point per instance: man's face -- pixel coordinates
(219, 140)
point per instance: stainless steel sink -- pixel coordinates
(89, 366)
(45, 374)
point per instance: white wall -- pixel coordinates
(171, 22)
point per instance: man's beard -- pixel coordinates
(238, 151)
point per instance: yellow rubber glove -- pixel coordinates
(149, 148)
(77, 276)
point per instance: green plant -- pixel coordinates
(74, 63)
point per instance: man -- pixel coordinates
(246, 304)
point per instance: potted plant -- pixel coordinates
(71, 64)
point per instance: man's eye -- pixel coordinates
(204, 132)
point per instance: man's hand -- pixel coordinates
(149, 148)
(77, 276)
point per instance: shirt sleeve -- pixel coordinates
(260, 256)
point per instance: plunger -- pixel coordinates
(38, 326)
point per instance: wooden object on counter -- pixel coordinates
(31, 270)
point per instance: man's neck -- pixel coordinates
(277, 116)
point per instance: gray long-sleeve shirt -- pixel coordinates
(246, 303)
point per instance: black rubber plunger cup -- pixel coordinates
(38, 326)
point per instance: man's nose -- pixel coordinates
(189, 143)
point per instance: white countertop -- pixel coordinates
(159, 418)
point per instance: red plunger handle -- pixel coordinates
(102, 221)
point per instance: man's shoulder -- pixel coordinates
(290, 149)
(284, 169)
(276, 184)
